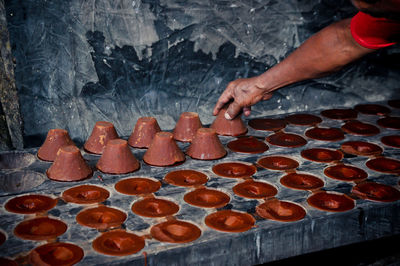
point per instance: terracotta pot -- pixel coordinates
(144, 132)
(206, 145)
(117, 158)
(101, 134)
(69, 165)
(56, 138)
(187, 126)
(163, 151)
(226, 127)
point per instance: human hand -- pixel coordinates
(242, 94)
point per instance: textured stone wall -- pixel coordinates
(82, 61)
(10, 117)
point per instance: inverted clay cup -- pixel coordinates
(223, 126)
(69, 165)
(206, 145)
(163, 151)
(144, 132)
(56, 138)
(187, 126)
(102, 132)
(117, 158)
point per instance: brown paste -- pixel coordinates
(118, 243)
(282, 211)
(303, 119)
(153, 207)
(286, 140)
(207, 198)
(101, 217)
(325, 134)
(376, 192)
(40, 228)
(234, 170)
(175, 232)
(29, 204)
(58, 253)
(322, 155)
(330, 201)
(254, 190)
(361, 148)
(186, 178)
(137, 186)
(230, 221)
(247, 145)
(280, 163)
(267, 124)
(344, 172)
(85, 194)
(301, 181)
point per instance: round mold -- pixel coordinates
(118, 243)
(361, 148)
(101, 217)
(254, 190)
(154, 207)
(230, 221)
(331, 201)
(58, 253)
(303, 119)
(289, 140)
(376, 192)
(247, 145)
(30, 204)
(186, 178)
(137, 186)
(175, 231)
(301, 181)
(234, 169)
(372, 109)
(207, 198)
(346, 173)
(321, 155)
(392, 141)
(325, 134)
(40, 228)
(16, 159)
(281, 211)
(279, 163)
(267, 124)
(20, 180)
(85, 194)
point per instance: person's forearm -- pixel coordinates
(324, 53)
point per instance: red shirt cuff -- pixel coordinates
(374, 33)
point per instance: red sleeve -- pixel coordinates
(374, 33)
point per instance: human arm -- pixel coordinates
(323, 53)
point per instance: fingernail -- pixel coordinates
(227, 116)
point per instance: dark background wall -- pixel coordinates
(81, 61)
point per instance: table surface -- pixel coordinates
(267, 241)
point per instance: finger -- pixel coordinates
(223, 99)
(233, 110)
(247, 110)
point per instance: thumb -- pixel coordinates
(232, 111)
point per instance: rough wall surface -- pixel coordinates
(10, 117)
(82, 61)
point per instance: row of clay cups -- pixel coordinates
(142, 135)
(162, 150)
